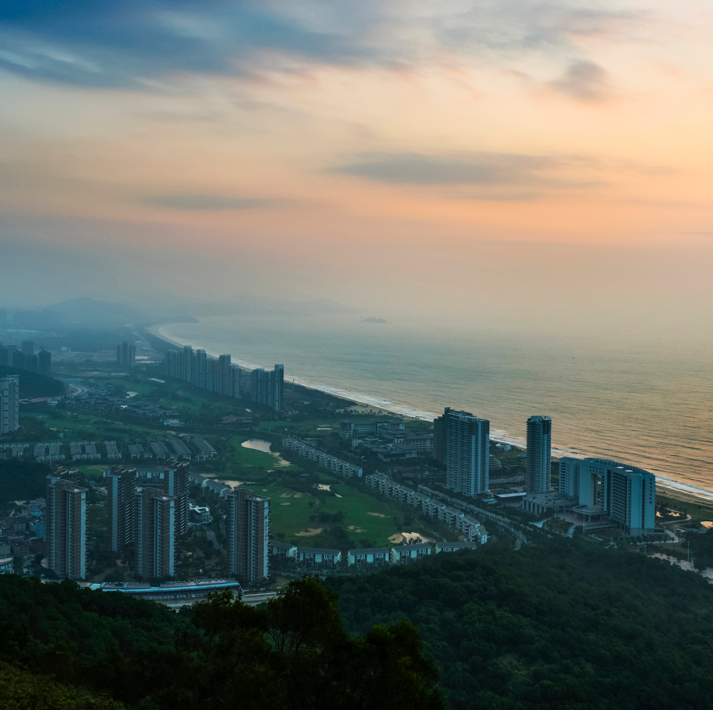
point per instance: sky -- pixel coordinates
(537, 162)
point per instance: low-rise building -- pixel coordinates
(331, 463)
(404, 554)
(283, 550)
(369, 556)
(454, 546)
(319, 555)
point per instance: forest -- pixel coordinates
(66, 647)
(562, 625)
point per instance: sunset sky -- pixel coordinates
(369, 152)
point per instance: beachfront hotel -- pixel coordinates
(467, 453)
(624, 494)
(206, 373)
(538, 476)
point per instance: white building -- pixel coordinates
(319, 555)
(403, 554)
(369, 556)
(331, 463)
(9, 404)
(454, 546)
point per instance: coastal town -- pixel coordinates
(168, 454)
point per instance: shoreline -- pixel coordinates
(671, 486)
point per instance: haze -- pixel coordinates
(521, 163)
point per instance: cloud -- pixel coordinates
(143, 44)
(190, 201)
(584, 81)
(481, 169)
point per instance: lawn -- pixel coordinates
(365, 517)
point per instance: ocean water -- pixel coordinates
(638, 401)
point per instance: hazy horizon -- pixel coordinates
(509, 164)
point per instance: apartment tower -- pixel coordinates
(126, 354)
(175, 483)
(538, 475)
(248, 534)
(121, 494)
(155, 533)
(66, 525)
(9, 404)
(467, 453)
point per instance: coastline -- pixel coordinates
(672, 488)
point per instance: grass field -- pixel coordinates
(365, 517)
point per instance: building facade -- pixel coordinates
(175, 483)
(155, 533)
(268, 387)
(9, 404)
(467, 453)
(66, 525)
(121, 503)
(248, 535)
(126, 354)
(206, 373)
(626, 494)
(44, 362)
(538, 475)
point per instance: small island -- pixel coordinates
(371, 319)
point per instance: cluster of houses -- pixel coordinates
(388, 440)
(331, 463)
(429, 505)
(121, 407)
(398, 555)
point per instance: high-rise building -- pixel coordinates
(258, 390)
(66, 525)
(155, 533)
(175, 484)
(45, 362)
(538, 475)
(467, 453)
(627, 494)
(278, 387)
(121, 492)
(234, 381)
(28, 347)
(187, 363)
(9, 404)
(248, 535)
(224, 375)
(126, 354)
(439, 436)
(200, 370)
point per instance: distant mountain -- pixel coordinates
(89, 311)
(261, 306)
(371, 319)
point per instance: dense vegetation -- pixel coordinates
(33, 385)
(61, 646)
(22, 480)
(567, 625)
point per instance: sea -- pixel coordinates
(639, 401)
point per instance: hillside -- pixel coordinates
(33, 385)
(76, 645)
(563, 626)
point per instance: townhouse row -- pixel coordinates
(399, 555)
(462, 522)
(331, 463)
